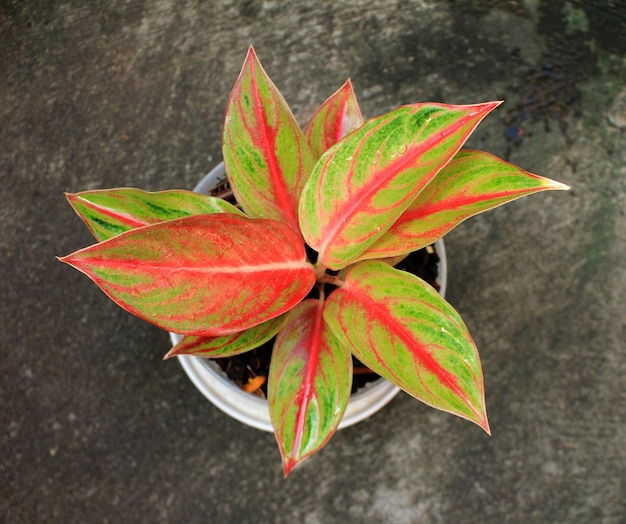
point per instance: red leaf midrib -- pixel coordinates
(306, 390)
(419, 351)
(125, 218)
(268, 146)
(107, 263)
(454, 203)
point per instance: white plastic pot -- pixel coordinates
(254, 411)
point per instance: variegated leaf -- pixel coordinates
(109, 212)
(361, 185)
(400, 327)
(471, 183)
(202, 275)
(337, 117)
(227, 345)
(309, 384)
(266, 155)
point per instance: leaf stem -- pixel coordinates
(323, 277)
(320, 272)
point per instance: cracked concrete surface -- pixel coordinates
(96, 428)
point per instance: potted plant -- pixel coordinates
(326, 214)
(237, 384)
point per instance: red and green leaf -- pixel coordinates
(202, 275)
(309, 384)
(227, 345)
(471, 183)
(362, 185)
(336, 118)
(266, 155)
(400, 328)
(109, 212)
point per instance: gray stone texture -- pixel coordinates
(95, 427)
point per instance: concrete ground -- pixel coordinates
(96, 428)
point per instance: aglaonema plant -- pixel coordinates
(361, 195)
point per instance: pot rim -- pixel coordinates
(253, 411)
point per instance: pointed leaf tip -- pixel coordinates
(288, 465)
(336, 118)
(559, 186)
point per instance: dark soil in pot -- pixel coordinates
(250, 370)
